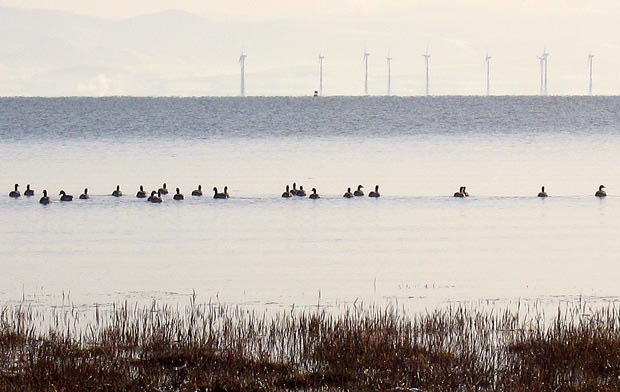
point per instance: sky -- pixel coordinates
(103, 48)
(263, 10)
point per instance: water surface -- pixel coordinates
(416, 244)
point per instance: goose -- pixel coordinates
(465, 192)
(141, 194)
(542, 192)
(294, 190)
(15, 193)
(460, 193)
(65, 197)
(162, 190)
(287, 193)
(28, 191)
(178, 195)
(300, 191)
(314, 195)
(217, 195)
(197, 192)
(375, 193)
(45, 199)
(226, 192)
(600, 192)
(85, 195)
(155, 197)
(348, 195)
(117, 192)
(359, 191)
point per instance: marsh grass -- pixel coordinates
(220, 348)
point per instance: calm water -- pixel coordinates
(416, 244)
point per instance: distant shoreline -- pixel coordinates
(309, 96)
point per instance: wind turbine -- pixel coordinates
(487, 59)
(426, 57)
(542, 73)
(242, 62)
(366, 55)
(321, 57)
(545, 55)
(590, 57)
(389, 64)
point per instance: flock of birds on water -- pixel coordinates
(155, 196)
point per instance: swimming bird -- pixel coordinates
(542, 192)
(65, 197)
(141, 194)
(226, 192)
(15, 193)
(294, 190)
(287, 193)
(85, 195)
(162, 190)
(460, 193)
(375, 193)
(314, 195)
(359, 191)
(348, 194)
(117, 192)
(45, 199)
(217, 195)
(197, 192)
(155, 198)
(178, 195)
(300, 191)
(600, 192)
(465, 192)
(28, 191)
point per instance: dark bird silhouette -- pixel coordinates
(542, 192)
(45, 199)
(65, 197)
(28, 191)
(314, 195)
(141, 194)
(15, 193)
(601, 192)
(117, 192)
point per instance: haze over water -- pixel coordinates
(416, 244)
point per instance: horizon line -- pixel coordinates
(481, 95)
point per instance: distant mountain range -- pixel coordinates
(51, 53)
(168, 53)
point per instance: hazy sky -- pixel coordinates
(283, 39)
(261, 10)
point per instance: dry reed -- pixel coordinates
(219, 348)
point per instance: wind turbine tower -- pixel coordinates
(242, 62)
(545, 55)
(321, 57)
(389, 64)
(426, 57)
(590, 57)
(542, 73)
(366, 55)
(487, 59)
